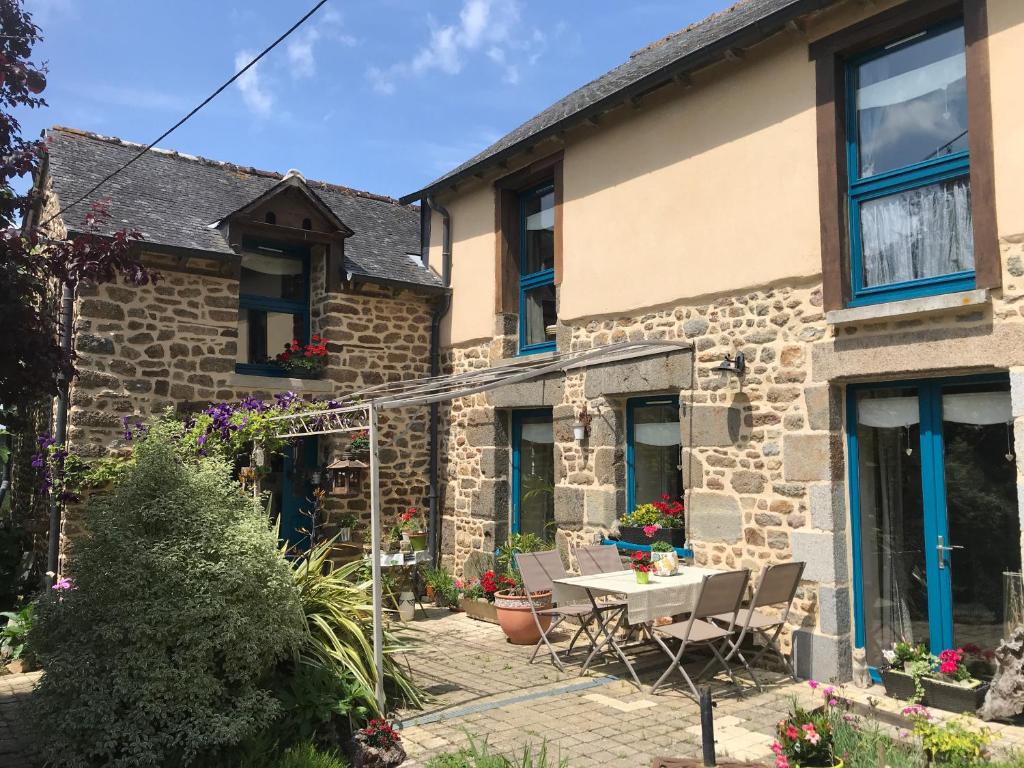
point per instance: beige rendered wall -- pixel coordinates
(1006, 57)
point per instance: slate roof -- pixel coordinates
(173, 198)
(746, 22)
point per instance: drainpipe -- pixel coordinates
(60, 429)
(434, 529)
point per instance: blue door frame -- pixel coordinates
(517, 478)
(631, 405)
(933, 492)
(294, 504)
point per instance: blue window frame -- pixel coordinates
(908, 168)
(653, 445)
(537, 269)
(533, 472)
(273, 304)
(923, 506)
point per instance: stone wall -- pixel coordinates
(144, 349)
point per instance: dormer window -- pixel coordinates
(273, 304)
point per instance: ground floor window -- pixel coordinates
(533, 473)
(934, 504)
(652, 450)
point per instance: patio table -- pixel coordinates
(662, 596)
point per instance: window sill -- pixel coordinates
(280, 383)
(533, 357)
(908, 307)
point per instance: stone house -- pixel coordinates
(831, 188)
(248, 260)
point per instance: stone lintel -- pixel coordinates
(672, 372)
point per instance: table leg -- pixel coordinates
(609, 639)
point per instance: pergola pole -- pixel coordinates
(378, 618)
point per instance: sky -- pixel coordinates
(383, 96)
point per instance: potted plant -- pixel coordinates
(345, 523)
(905, 666)
(806, 737)
(659, 521)
(378, 745)
(640, 562)
(360, 444)
(477, 603)
(951, 686)
(664, 559)
(413, 529)
(511, 603)
(305, 361)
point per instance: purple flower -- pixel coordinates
(63, 584)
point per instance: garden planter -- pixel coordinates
(365, 756)
(898, 685)
(635, 535)
(643, 577)
(665, 563)
(954, 697)
(344, 534)
(418, 541)
(479, 608)
(516, 618)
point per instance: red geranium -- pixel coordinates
(380, 734)
(641, 562)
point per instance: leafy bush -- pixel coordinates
(14, 635)
(952, 742)
(331, 681)
(181, 607)
(478, 755)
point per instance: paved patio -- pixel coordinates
(482, 686)
(15, 743)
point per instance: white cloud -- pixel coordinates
(487, 26)
(254, 93)
(300, 53)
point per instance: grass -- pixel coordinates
(478, 755)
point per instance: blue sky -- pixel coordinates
(382, 95)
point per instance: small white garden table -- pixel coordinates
(662, 596)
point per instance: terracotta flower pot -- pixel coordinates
(516, 618)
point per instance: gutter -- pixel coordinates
(744, 37)
(434, 527)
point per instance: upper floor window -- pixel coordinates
(273, 304)
(537, 315)
(908, 168)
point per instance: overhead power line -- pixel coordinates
(185, 119)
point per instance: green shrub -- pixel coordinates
(14, 636)
(181, 607)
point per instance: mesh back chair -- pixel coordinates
(539, 571)
(599, 558)
(777, 588)
(720, 595)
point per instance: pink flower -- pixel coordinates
(781, 762)
(811, 734)
(63, 585)
(813, 684)
(776, 748)
(792, 733)
(947, 667)
(650, 530)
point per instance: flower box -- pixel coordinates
(479, 608)
(632, 534)
(898, 685)
(954, 697)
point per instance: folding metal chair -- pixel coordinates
(538, 571)
(720, 595)
(599, 558)
(777, 587)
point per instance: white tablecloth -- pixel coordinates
(663, 596)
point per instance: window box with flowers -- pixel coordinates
(304, 361)
(661, 521)
(951, 686)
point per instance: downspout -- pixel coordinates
(60, 429)
(434, 529)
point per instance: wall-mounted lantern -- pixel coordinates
(581, 428)
(345, 476)
(736, 365)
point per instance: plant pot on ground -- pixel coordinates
(516, 617)
(377, 745)
(479, 608)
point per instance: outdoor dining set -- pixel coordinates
(717, 611)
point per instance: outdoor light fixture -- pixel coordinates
(730, 364)
(581, 428)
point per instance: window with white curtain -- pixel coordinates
(908, 166)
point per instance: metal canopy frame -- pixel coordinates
(359, 411)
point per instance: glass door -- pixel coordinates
(533, 473)
(653, 445)
(935, 522)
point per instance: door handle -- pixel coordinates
(942, 550)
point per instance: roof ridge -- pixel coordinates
(688, 28)
(316, 184)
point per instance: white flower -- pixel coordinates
(889, 655)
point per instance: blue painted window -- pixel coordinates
(273, 304)
(908, 169)
(533, 473)
(652, 450)
(537, 313)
